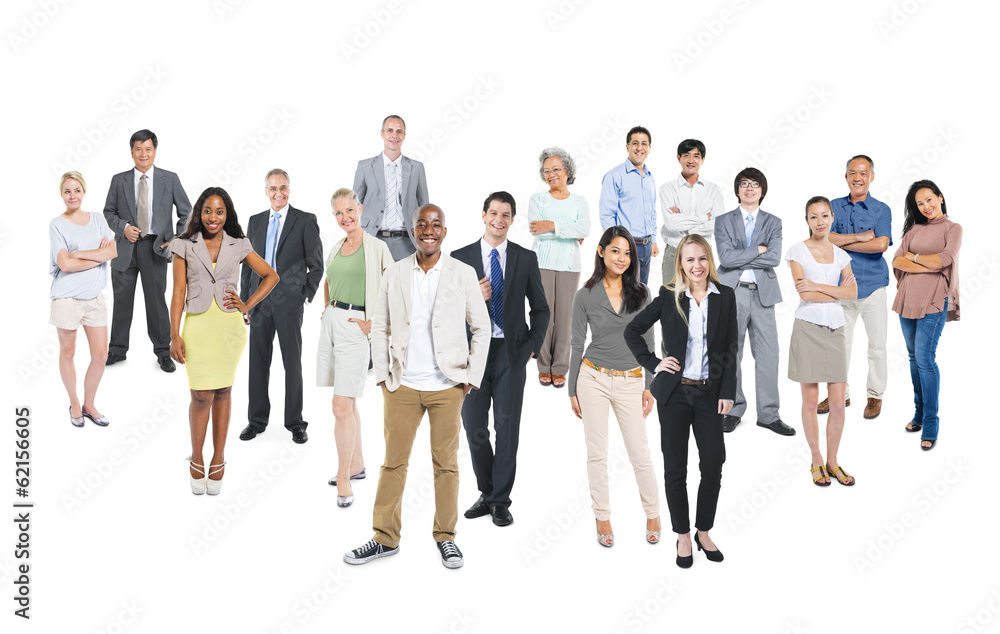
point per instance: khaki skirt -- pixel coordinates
(817, 354)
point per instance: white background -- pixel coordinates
(484, 87)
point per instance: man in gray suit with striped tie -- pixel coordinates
(391, 187)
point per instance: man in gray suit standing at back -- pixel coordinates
(391, 187)
(139, 211)
(748, 240)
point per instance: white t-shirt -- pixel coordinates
(829, 314)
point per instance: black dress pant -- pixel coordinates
(503, 386)
(267, 320)
(152, 269)
(691, 406)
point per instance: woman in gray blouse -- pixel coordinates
(608, 376)
(80, 246)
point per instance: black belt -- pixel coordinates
(685, 381)
(337, 304)
(148, 236)
(391, 234)
(645, 240)
(751, 285)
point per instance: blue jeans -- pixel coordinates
(921, 336)
(643, 253)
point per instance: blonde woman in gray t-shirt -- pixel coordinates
(80, 246)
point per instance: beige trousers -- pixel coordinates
(874, 312)
(560, 289)
(597, 393)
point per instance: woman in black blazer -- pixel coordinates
(695, 384)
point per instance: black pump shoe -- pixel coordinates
(713, 555)
(683, 562)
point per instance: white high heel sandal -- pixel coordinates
(214, 486)
(197, 484)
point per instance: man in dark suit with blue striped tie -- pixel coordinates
(508, 274)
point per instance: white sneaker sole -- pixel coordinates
(357, 561)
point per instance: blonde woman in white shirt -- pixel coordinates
(818, 350)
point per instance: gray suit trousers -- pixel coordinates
(750, 313)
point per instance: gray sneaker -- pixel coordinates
(371, 550)
(451, 556)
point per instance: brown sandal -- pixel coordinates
(558, 380)
(545, 379)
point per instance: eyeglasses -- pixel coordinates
(639, 143)
(749, 185)
(553, 171)
(283, 189)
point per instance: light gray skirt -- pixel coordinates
(817, 354)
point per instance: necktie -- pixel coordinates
(749, 228)
(142, 207)
(272, 239)
(391, 200)
(496, 282)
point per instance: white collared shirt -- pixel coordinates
(281, 222)
(699, 205)
(696, 356)
(420, 368)
(398, 163)
(149, 191)
(748, 275)
(488, 268)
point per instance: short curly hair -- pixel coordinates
(564, 156)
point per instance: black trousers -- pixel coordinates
(152, 269)
(503, 386)
(267, 320)
(691, 407)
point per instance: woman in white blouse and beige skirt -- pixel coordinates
(818, 351)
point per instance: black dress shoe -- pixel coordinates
(713, 555)
(478, 509)
(114, 358)
(685, 562)
(250, 432)
(729, 423)
(166, 364)
(778, 427)
(299, 435)
(501, 515)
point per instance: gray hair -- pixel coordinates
(865, 157)
(416, 214)
(566, 159)
(278, 172)
(345, 192)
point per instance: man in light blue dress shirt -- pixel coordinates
(628, 198)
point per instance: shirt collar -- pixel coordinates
(138, 174)
(863, 203)
(632, 168)
(398, 162)
(711, 289)
(487, 249)
(749, 213)
(436, 267)
(682, 182)
(283, 211)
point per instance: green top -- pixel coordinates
(346, 277)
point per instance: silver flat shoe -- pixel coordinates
(76, 421)
(344, 501)
(100, 420)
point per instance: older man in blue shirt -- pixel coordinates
(862, 226)
(628, 198)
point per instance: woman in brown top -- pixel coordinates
(926, 268)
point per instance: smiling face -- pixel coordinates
(617, 256)
(859, 178)
(638, 148)
(213, 216)
(819, 217)
(694, 263)
(429, 230)
(690, 163)
(393, 133)
(749, 192)
(498, 218)
(928, 203)
(554, 173)
(277, 191)
(143, 154)
(72, 194)
(347, 214)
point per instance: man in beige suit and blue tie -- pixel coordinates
(424, 362)
(391, 187)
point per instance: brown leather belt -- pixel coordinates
(693, 382)
(645, 240)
